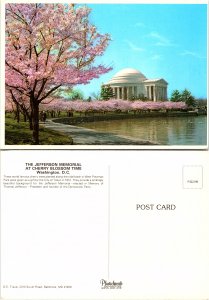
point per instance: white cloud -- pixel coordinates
(139, 24)
(156, 57)
(160, 40)
(133, 46)
(190, 53)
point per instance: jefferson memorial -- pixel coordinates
(131, 83)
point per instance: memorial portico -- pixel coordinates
(156, 89)
(130, 83)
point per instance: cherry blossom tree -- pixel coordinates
(9, 104)
(112, 105)
(20, 104)
(49, 46)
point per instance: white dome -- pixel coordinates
(127, 75)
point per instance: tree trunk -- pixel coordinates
(31, 123)
(35, 121)
(17, 113)
(29, 117)
(25, 117)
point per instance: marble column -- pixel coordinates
(130, 92)
(122, 93)
(154, 93)
(157, 93)
(150, 92)
(119, 93)
(163, 93)
(116, 93)
(135, 91)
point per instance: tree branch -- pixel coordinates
(42, 87)
(14, 13)
(15, 69)
(49, 92)
(21, 90)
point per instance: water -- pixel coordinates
(190, 130)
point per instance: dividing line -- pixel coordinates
(108, 234)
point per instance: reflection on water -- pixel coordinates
(191, 130)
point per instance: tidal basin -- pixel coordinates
(188, 130)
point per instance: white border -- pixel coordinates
(87, 147)
(115, 1)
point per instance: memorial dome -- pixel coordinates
(127, 75)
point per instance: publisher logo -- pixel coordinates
(110, 284)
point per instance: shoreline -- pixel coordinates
(85, 136)
(91, 117)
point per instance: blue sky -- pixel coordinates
(161, 40)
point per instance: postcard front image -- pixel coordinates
(133, 82)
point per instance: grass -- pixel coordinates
(20, 134)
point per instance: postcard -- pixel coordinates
(104, 150)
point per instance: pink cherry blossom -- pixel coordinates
(112, 105)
